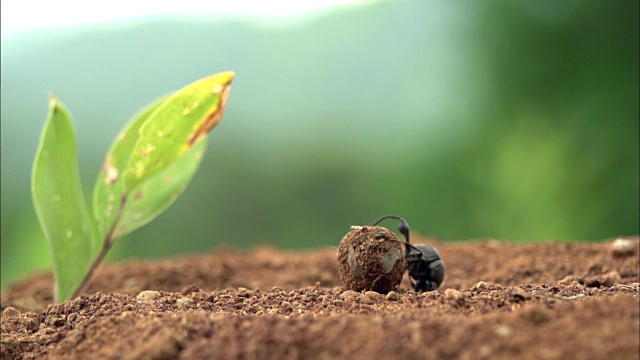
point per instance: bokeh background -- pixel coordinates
(515, 120)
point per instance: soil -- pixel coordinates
(499, 300)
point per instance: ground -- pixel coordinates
(499, 300)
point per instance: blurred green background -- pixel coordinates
(516, 120)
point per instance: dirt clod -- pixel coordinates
(27, 323)
(392, 296)
(148, 295)
(370, 258)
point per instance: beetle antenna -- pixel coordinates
(403, 227)
(408, 245)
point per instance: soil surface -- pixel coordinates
(498, 300)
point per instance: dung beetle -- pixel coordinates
(423, 261)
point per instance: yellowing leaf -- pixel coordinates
(155, 157)
(176, 125)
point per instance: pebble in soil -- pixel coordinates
(370, 258)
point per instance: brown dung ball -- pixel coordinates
(367, 261)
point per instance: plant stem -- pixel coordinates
(106, 245)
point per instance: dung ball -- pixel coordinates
(367, 261)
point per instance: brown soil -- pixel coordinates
(499, 300)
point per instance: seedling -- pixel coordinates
(148, 166)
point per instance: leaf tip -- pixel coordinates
(223, 81)
(221, 89)
(53, 101)
(226, 77)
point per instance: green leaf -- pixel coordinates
(152, 197)
(176, 125)
(59, 202)
(109, 188)
(155, 158)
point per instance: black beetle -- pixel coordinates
(423, 261)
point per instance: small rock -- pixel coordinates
(349, 295)
(184, 302)
(623, 247)
(453, 294)
(481, 285)
(148, 295)
(392, 296)
(370, 297)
